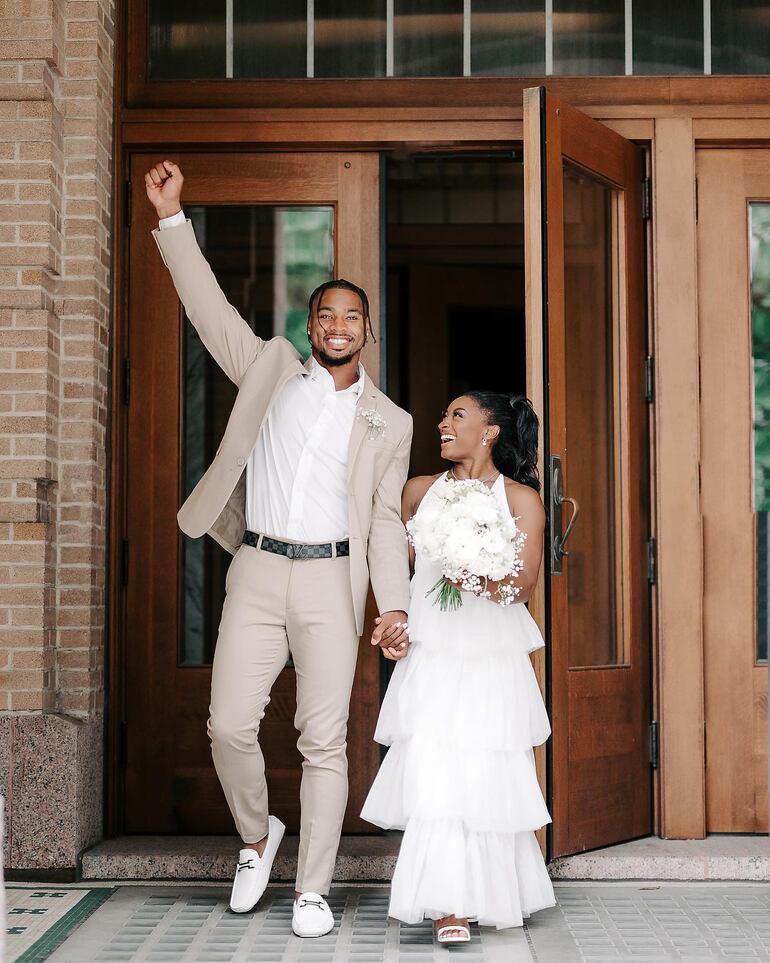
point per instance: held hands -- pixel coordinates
(391, 633)
(163, 183)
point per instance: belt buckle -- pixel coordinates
(289, 550)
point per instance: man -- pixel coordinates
(304, 490)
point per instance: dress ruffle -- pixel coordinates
(498, 879)
(466, 700)
(461, 716)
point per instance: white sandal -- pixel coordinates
(461, 933)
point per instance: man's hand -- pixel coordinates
(391, 633)
(163, 183)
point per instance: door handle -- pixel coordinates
(558, 498)
(570, 525)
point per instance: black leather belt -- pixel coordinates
(295, 551)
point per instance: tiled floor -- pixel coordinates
(645, 922)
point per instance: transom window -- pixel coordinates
(229, 39)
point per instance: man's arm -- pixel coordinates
(225, 334)
(388, 554)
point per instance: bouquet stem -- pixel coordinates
(448, 597)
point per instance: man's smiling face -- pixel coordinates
(337, 326)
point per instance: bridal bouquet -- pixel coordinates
(469, 533)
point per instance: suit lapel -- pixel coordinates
(368, 399)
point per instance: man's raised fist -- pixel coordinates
(164, 188)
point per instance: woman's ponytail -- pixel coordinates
(515, 451)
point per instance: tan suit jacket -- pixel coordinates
(377, 462)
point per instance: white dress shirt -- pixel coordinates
(296, 475)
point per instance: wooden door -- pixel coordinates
(272, 226)
(733, 299)
(585, 309)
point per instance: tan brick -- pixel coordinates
(31, 659)
(30, 701)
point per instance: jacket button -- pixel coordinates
(240, 462)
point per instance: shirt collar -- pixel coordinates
(318, 373)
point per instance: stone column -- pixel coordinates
(56, 93)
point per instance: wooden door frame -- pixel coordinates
(736, 778)
(115, 736)
(672, 133)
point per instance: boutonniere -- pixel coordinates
(374, 419)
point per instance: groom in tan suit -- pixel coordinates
(305, 492)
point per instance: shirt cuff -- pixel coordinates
(166, 222)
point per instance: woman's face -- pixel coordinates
(463, 428)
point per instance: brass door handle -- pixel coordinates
(561, 540)
(557, 499)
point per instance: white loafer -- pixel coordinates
(253, 871)
(312, 916)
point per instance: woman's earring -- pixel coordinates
(484, 440)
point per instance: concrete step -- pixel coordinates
(717, 857)
(372, 859)
(360, 858)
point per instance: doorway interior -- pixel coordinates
(455, 285)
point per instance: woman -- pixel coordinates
(463, 709)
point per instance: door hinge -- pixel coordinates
(127, 203)
(646, 198)
(126, 381)
(697, 200)
(652, 560)
(123, 744)
(649, 379)
(654, 744)
(124, 561)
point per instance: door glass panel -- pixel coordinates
(590, 295)
(267, 261)
(760, 347)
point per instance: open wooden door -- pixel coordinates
(586, 314)
(272, 226)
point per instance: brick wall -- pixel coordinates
(56, 84)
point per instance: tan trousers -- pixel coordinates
(274, 606)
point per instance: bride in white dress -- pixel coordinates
(463, 710)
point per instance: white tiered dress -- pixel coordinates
(461, 715)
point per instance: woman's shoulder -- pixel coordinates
(420, 484)
(416, 489)
(522, 498)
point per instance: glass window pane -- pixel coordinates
(187, 39)
(270, 39)
(760, 343)
(595, 577)
(267, 261)
(588, 37)
(350, 38)
(507, 38)
(740, 37)
(668, 37)
(428, 38)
